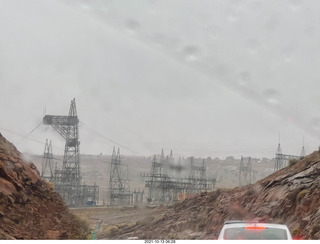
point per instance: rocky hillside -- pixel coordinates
(290, 196)
(29, 207)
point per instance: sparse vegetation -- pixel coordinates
(292, 196)
(214, 195)
(84, 226)
(296, 232)
(201, 225)
(314, 231)
(301, 194)
(293, 162)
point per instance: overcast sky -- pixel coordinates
(201, 78)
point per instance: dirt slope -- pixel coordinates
(290, 196)
(29, 208)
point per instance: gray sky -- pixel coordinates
(201, 78)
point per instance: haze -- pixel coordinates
(209, 78)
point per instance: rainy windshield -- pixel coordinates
(159, 119)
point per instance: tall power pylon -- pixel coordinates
(119, 191)
(68, 180)
(303, 152)
(281, 160)
(47, 161)
(245, 171)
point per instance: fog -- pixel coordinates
(215, 78)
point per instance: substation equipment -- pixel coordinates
(164, 187)
(119, 192)
(282, 160)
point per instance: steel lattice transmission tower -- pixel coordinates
(68, 180)
(245, 171)
(47, 161)
(282, 160)
(119, 190)
(303, 152)
(279, 159)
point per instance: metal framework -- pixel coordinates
(281, 160)
(245, 171)
(68, 180)
(119, 191)
(47, 162)
(303, 152)
(163, 188)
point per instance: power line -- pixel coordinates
(106, 138)
(30, 133)
(19, 135)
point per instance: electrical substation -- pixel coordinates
(167, 184)
(282, 160)
(167, 181)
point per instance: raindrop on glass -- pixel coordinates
(253, 45)
(288, 55)
(272, 23)
(244, 79)
(191, 53)
(132, 25)
(271, 96)
(232, 17)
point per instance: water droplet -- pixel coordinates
(191, 53)
(271, 96)
(132, 25)
(232, 16)
(253, 45)
(244, 79)
(272, 23)
(159, 40)
(222, 70)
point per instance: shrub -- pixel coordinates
(292, 196)
(296, 232)
(314, 231)
(293, 162)
(84, 232)
(201, 225)
(301, 194)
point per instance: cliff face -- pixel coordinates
(29, 207)
(290, 196)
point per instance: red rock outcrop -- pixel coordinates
(29, 207)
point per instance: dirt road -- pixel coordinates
(107, 221)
